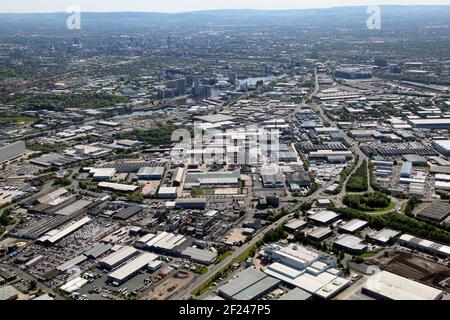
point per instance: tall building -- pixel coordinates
(180, 85)
(169, 42)
(314, 52)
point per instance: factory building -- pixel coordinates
(178, 176)
(353, 225)
(56, 235)
(385, 285)
(12, 151)
(437, 211)
(442, 146)
(117, 258)
(324, 217)
(167, 192)
(384, 236)
(440, 123)
(127, 213)
(305, 268)
(406, 170)
(350, 244)
(191, 203)
(250, 284)
(131, 268)
(196, 255)
(424, 245)
(150, 173)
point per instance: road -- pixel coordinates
(30, 277)
(186, 292)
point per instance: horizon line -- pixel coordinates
(238, 9)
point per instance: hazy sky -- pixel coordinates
(188, 5)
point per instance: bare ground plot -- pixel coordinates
(169, 287)
(416, 268)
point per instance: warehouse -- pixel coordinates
(416, 160)
(8, 293)
(79, 206)
(437, 210)
(292, 255)
(250, 284)
(318, 279)
(206, 257)
(12, 151)
(54, 197)
(440, 123)
(350, 244)
(102, 173)
(150, 173)
(167, 192)
(353, 225)
(385, 285)
(178, 176)
(73, 285)
(194, 203)
(119, 187)
(324, 217)
(53, 159)
(320, 234)
(295, 225)
(296, 294)
(405, 171)
(141, 243)
(383, 237)
(55, 235)
(442, 146)
(169, 243)
(127, 213)
(97, 250)
(212, 179)
(34, 261)
(118, 257)
(71, 263)
(425, 245)
(130, 269)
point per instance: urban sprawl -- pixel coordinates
(226, 156)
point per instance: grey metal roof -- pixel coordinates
(257, 289)
(245, 278)
(296, 294)
(98, 250)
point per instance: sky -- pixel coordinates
(19, 6)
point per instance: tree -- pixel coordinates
(32, 285)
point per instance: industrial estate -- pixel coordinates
(226, 155)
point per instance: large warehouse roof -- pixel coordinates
(324, 216)
(353, 225)
(394, 287)
(68, 230)
(133, 266)
(119, 256)
(250, 283)
(203, 256)
(384, 235)
(436, 210)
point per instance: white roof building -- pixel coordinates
(386, 285)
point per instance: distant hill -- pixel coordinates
(339, 16)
